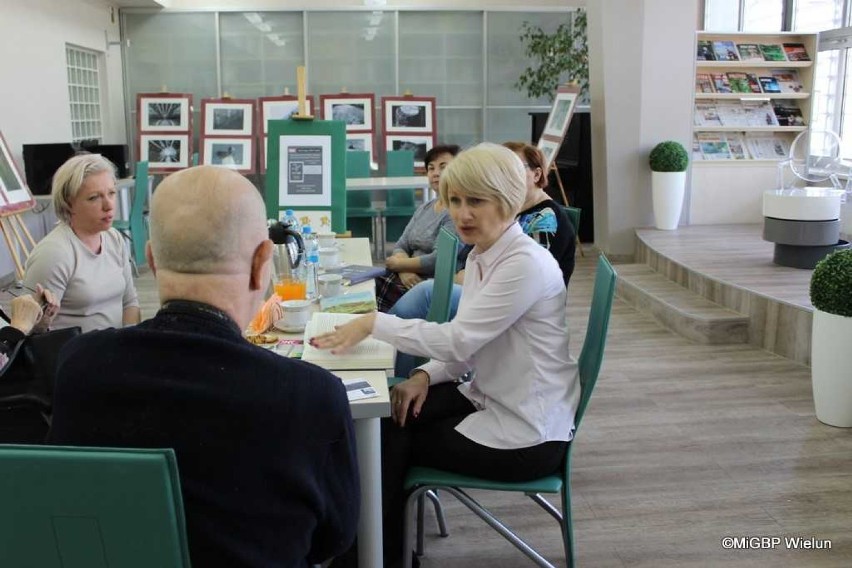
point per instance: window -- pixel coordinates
(84, 93)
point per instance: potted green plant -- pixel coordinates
(668, 161)
(559, 56)
(831, 358)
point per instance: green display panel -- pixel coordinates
(310, 175)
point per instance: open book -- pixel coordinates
(369, 354)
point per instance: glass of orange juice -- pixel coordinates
(291, 289)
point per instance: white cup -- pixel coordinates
(326, 240)
(330, 285)
(329, 257)
(296, 314)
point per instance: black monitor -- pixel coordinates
(42, 160)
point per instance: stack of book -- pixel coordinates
(727, 50)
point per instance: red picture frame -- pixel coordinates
(164, 124)
(228, 134)
(15, 195)
(275, 108)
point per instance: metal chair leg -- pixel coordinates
(439, 512)
(418, 547)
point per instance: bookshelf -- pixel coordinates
(747, 112)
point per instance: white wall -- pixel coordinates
(641, 91)
(34, 104)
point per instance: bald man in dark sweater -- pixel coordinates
(265, 444)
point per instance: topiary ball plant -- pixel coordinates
(831, 284)
(668, 156)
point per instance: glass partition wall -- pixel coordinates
(468, 60)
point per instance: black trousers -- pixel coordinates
(432, 440)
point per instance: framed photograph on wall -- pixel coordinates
(227, 117)
(418, 144)
(408, 114)
(165, 152)
(164, 112)
(355, 110)
(362, 141)
(234, 153)
(15, 196)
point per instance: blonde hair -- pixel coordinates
(487, 171)
(71, 176)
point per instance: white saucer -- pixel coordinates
(279, 325)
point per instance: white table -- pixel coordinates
(366, 415)
(388, 184)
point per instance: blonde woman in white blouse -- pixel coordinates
(512, 422)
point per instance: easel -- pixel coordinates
(14, 230)
(569, 94)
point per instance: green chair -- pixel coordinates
(195, 159)
(69, 507)
(135, 228)
(401, 203)
(422, 479)
(361, 216)
(574, 215)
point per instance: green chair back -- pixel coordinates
(136, 227)
(68, 507)
(195, 159)
(360, 213)
(574, 216)
(401, 203)
(445, 271)
(422, 479)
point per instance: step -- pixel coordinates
(678, 308)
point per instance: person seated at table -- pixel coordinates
(84, 261)
(541, 218)
(414, 254)
(513, 420)
(265, 444)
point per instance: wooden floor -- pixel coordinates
(682, 445)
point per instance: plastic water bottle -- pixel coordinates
(311, 280)
(311, 261)
(311, 240)
(291, 219)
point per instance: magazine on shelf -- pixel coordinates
(704, 83)
(796, 52)
(767, 146)
(720, 82)
(749, 52)
(725, 50)
(759, 113)
(738, 82)
(788, 113)
(696, 150)
(736, 144)
(351, 303)
(714, 146)
(788, 81)
(772, 52)
(370, 354)
(732, 113)
(753, 83)
(769, 85)
(705, 51)
(706, 115)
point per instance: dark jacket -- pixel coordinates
(265, 444)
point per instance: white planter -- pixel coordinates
(831, 368)
(668, 189)
(806, 204)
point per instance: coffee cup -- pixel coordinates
(330, 285)
(329, 257)
(326, 240)
(296, 315)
